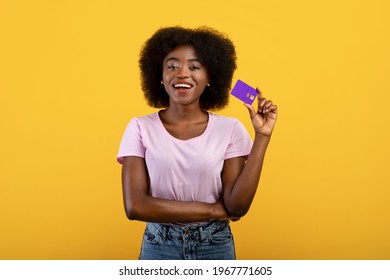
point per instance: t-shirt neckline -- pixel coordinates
(204, 133)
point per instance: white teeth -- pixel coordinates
(182, 85)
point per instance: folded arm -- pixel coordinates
(139, 205)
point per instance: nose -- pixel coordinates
(182, 73)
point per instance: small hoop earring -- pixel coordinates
(162, 82)
(208, 85)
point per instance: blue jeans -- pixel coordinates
(213, 241)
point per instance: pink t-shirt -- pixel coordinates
(185, 170)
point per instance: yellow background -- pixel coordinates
(69, 83)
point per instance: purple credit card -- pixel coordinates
(244, 92)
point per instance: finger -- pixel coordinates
(273, 112)
(259, 93)
(267, 106)
(261, 104)
(251, 111)
(274, 109)
(259, 99)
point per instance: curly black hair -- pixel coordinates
(214, 49)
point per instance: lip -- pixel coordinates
(181, 90)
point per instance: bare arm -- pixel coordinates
(139, 205)
(240, 179)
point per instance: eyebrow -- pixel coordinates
(176, 59)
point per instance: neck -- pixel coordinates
(183, 114)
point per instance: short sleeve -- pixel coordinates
(131, 143)
(240, 142)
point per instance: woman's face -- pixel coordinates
(184, 76)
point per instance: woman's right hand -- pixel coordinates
(221, 213)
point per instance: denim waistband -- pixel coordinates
(197, 232)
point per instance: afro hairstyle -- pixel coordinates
(215, 51)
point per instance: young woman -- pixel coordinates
(186, 171)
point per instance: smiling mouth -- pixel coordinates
(182, 86)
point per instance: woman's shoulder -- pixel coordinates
(143, 123)
(223, 120)
(149, 118)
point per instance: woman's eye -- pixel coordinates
(172, 67)
(194, 68)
